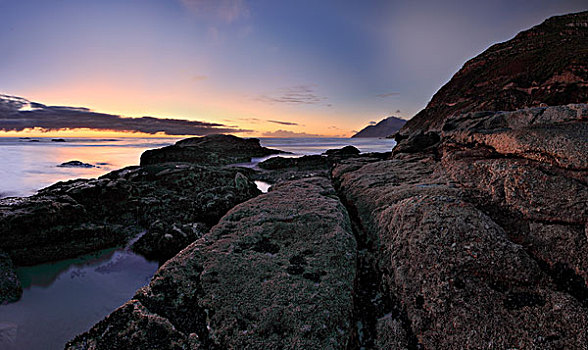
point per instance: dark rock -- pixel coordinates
(133, 326)
(75, 164)
(164, 239)
(209, 150)
(80, 216)
(313, 162)
(57, 140)
(346, 151)
(384, 128)
(10, 288)
(418, 142)
(231, 288)
(279, 169)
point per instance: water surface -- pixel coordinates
(65, 298)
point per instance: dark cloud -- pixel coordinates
(301, 94)
(388, 94)
(287, 133)
(18, 114)
(373, 122)
(281, 122)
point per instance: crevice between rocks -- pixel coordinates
(371, 300)
(564, 278)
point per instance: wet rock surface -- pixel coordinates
(80, 216)
(276, 272)
(209, 150)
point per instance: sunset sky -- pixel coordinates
(275, 68)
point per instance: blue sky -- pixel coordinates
(322, 67)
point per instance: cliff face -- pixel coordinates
(384, 128)
(545, 65)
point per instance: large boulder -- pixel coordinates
(276, 272)
(209, 150)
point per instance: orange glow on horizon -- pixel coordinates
(189, 102)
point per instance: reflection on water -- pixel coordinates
(65, 298)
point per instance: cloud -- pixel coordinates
(388, 94)
(281, 122)
(300, 94)
(225, 10)
(373, 122)
(18, 114)
(287, 133)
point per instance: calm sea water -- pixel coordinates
(62, 299)
(27, 165)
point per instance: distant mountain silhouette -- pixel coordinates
(384, 128)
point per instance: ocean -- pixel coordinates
(64, 298)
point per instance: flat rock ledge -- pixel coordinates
(277, 272)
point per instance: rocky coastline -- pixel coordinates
(472, 233)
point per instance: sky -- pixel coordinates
(255, 67)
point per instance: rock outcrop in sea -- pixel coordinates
(472, 234)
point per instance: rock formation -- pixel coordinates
(385, 127)
(276, 272)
